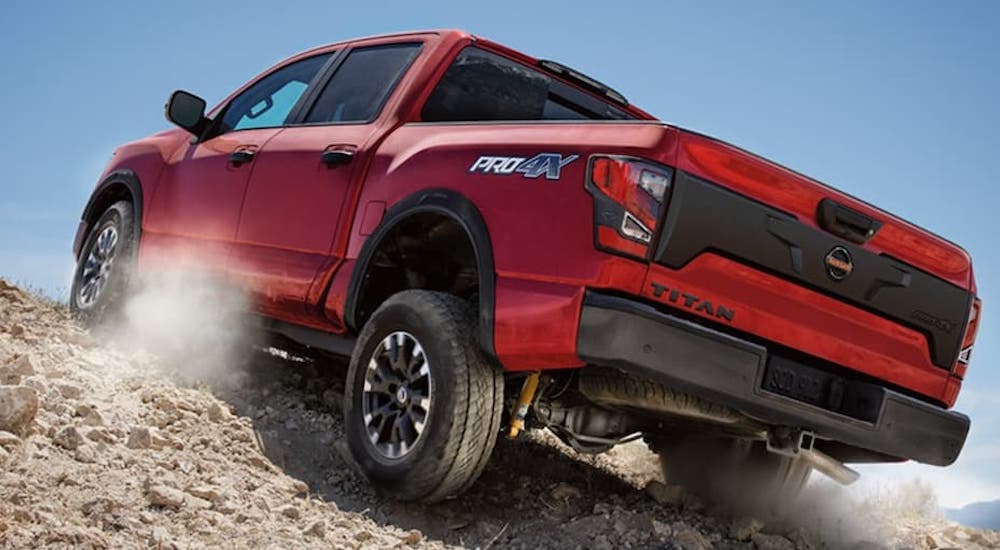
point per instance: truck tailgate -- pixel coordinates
(729, 203)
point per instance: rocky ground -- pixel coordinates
(108, 445)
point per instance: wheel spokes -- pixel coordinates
(97, 267)
(396, 397)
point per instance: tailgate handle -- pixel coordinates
(846, 223)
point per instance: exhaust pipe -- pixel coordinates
(798, 444)
(829, 466)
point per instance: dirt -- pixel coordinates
(129, 448)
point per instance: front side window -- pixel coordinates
(270, 100)
(481, 86)
(362, 84)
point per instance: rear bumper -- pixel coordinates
(625, 334)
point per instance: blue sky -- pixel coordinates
(895, 102)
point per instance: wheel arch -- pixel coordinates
(460, 210)
(118, 185)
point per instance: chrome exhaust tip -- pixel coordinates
(798, 444)
(829, 466)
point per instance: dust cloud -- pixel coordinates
(851, 516)
(197, 326)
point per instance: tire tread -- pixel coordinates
(478, 398)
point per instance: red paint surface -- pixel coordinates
(536, 324)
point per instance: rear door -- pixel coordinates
(194, 214)
(297, 201)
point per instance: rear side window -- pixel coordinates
(362, 84)
(481, 86)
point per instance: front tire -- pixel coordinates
(423, 403)
(105, 266)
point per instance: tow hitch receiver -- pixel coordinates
(798, 444)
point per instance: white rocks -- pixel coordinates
(205, 492)
(744, 528)
(225, 508)
(94, 417)
(298, 488)
(317, 529)
(412, 538)
(982, 540)
(8, 439)
(36, 382)
(671, 495)
(218, 413)
(77, 338)
(100, 505)
(18, 407)
(86, 454)
(771, 542)
(140, 438)
(167, 497)
(146, 437)
(688, 538)
(101, 435)
(261, 462)
(661, 530)
(165, 404)
(565, 491)
(69, 438)
(199, 503)
(13, 372)
(290, 511)
(69, 391)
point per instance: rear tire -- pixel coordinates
(107, 261)
(423, 403)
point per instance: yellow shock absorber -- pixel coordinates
(523, 402)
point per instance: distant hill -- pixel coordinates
(984, 515)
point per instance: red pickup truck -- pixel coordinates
(501, 242)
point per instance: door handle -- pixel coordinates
(241, 156)
(336, 157)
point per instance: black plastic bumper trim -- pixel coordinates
(637, 338)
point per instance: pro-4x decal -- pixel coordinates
(549, 164)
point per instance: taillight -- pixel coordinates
(629, 195)
(969, 340)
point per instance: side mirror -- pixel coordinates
(187, 111)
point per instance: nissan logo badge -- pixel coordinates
(839, 263)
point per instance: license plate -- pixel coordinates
(833, 392)
(795, 383)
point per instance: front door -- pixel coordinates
(296, 203)
(194, 213)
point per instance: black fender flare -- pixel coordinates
(459, 208)
(123, 177)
